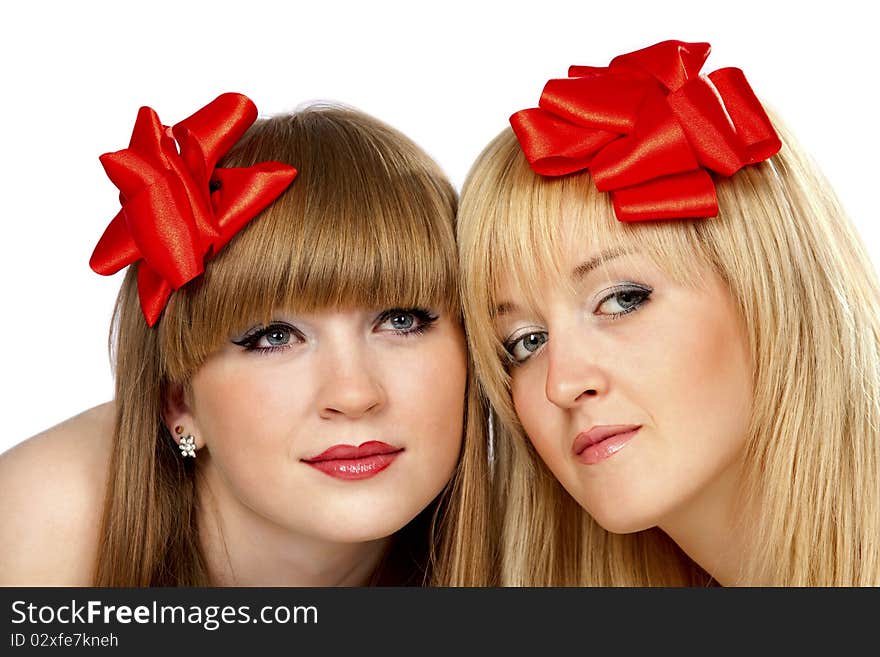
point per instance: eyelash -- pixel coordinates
(253, 337)
(642, 293)
(425, 319)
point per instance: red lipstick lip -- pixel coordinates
(350, 462)
(599, 433)
(352, 452)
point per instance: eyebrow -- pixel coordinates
(504, 309)
(581, 271)
(577, 274)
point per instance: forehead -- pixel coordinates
(582, 263)
(586, 267)
(557, 251)
(541, 230)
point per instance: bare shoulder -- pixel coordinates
(51, 500)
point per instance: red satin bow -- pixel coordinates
(178, 208)
(648, 127)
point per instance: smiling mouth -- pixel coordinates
(602, 442)
(355, 461)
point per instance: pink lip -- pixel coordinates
(355, 462)
(599, 443)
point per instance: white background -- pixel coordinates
(446, 74)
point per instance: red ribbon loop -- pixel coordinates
(178, 208)
(649, 127)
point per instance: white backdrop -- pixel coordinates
(447, 74)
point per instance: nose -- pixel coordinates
(573, 372)
(350, 385)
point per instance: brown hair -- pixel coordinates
(367, 222)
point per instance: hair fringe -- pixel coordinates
(811, 484)
(369, 221)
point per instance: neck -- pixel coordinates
(708, 527)
(243, 548)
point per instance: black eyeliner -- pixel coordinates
(644, 291)
(425, 317)
(250, 339)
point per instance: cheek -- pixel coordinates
(732, 393)
(703, 383)
(534, 410)
(244, 413)
(430, 391)
(523, 395)
(445, 396)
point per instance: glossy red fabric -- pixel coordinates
(649, 128)
(178, 207)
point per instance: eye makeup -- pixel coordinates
(626, 297)
(407, 321)
(614, 302)
(279, 336)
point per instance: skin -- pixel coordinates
(268, 518)
(678, 365)
(51, 496)
(347, 378)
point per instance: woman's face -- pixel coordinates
(634, 390)
(338, 425)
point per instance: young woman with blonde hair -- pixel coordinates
(290, 406)
(684, 366)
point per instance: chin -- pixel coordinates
(622, 520)
(360, 529)
(623, 527)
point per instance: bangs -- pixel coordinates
(515, 231)
(367, 223)
(533, 221)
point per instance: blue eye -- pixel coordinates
(522, 348)
(406, 321)
(275, 337)
(623, 300)
(402, 322)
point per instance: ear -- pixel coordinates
(178, 417)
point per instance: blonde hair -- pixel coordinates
(368, 222)
(809, 301)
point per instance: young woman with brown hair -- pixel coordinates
(294, 414)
